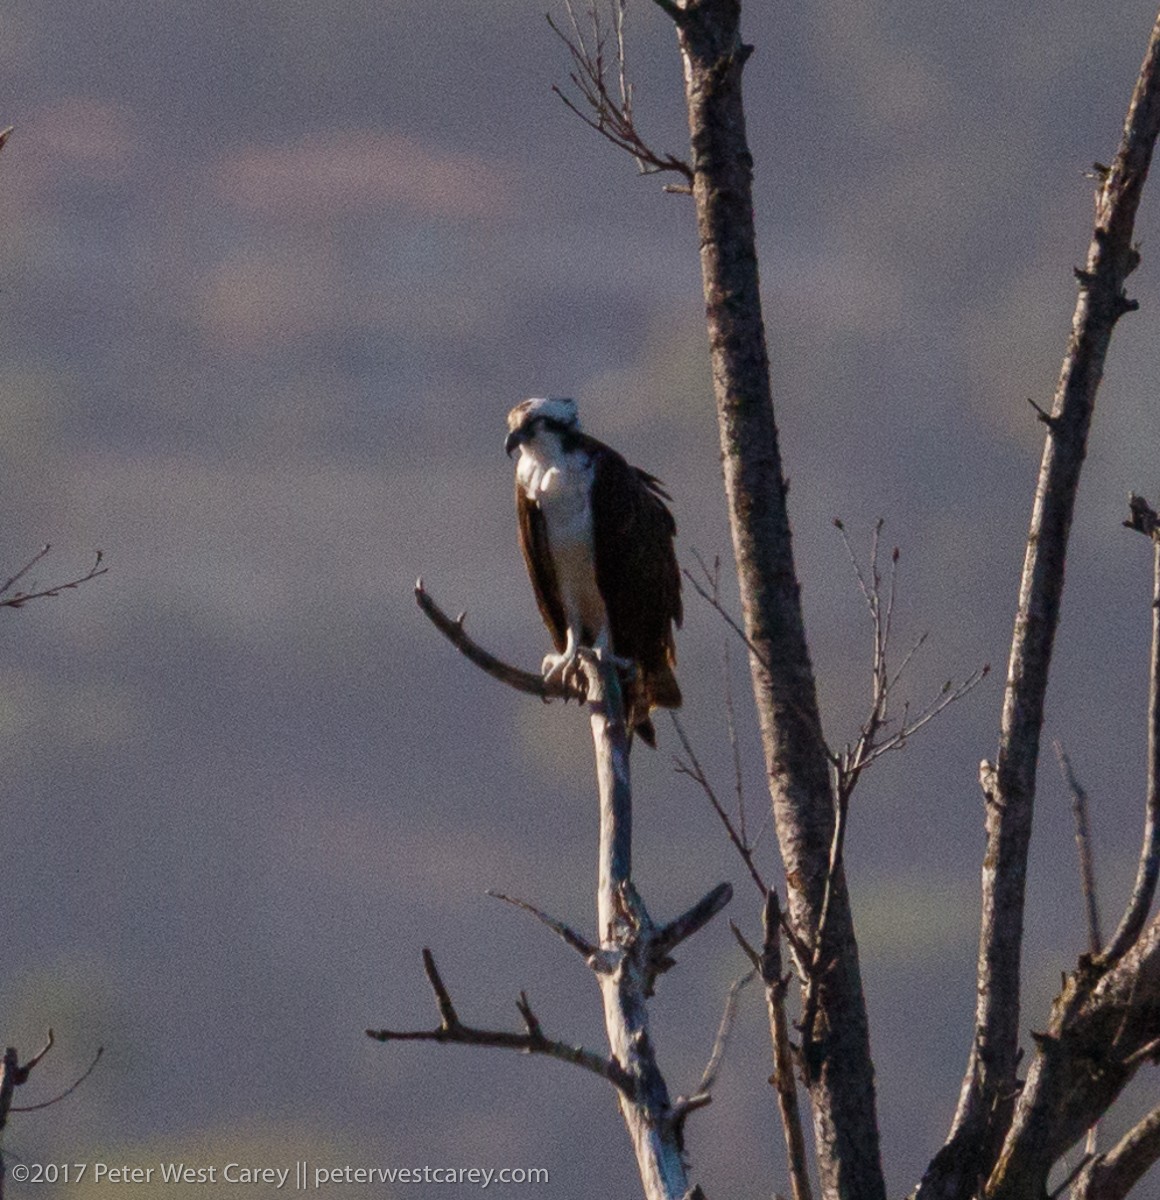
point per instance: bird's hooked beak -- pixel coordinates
(516, 438)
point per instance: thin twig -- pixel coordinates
(1083, 841)
(589, 952)
(871, 744)
(720, 609)
(19, 599)
(734, 743)
(684, 1105)
(10, 583)
(609, 115)
(691, 767)
(68, 1091)
(724, 1029)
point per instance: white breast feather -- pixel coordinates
(561, 484)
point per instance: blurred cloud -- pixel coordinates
(351, 171)
(260, 295)
(81, 136)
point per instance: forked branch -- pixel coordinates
(18, 598)
(14, 1074)
(1112, 1176)
(452, 1030)
(880, 733)
(605, 101)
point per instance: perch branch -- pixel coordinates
(627, 934)
(453, 1031)
(522, 681)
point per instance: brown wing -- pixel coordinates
(636, 569)
(538, 558)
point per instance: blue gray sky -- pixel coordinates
(271, 274)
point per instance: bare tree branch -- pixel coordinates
(606, 106)
(451, 1030)
(1083, 843)
(627, 934)
(1144, 520)
(522, 681)
(1104, 1026)
(985, 1101)
(783, 1073)
(691, 767)
(13, 1075)
(710, 595)
(703, 1094)
(819, 961)
(670, 936)
(632, 949)
(68, 1091)
(19, 599)
(586, 950)
(797, 759)
(873, 739)
(1112, 1176)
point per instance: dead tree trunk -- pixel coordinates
(988, 1098)
(839, 1070)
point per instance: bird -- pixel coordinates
(597, 539)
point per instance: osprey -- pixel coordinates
(597, 539)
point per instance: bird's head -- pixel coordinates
(530, 416)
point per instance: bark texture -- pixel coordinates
(840, 1071)
(1104, 1026)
